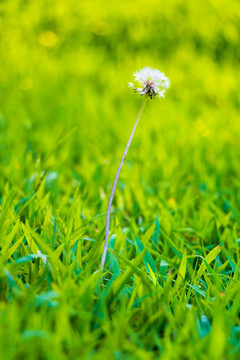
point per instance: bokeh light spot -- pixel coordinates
(48, 39)
(100, 28)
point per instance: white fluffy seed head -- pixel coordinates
(151, 82)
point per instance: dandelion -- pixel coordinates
(150, 83)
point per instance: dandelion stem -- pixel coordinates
(116, 180)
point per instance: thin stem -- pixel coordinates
(116, 180)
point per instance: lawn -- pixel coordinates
(170, 286)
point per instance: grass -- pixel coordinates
(170, 289)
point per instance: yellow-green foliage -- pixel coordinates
(169, 290)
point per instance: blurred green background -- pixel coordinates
(65, 116)
(64, 71)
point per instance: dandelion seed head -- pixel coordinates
(151, 82)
